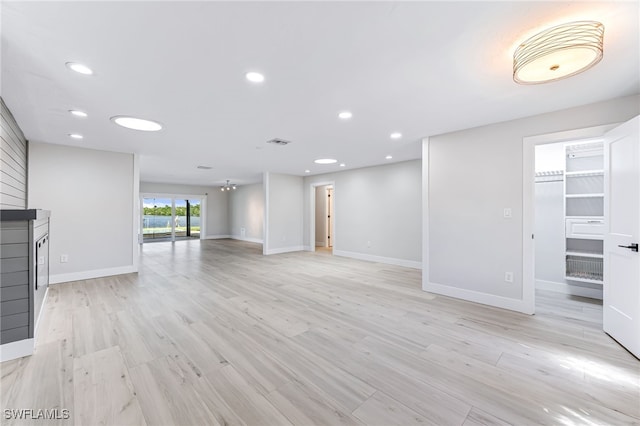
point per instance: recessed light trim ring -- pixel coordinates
(558, 52)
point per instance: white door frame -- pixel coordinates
(312, 213)
(528, 199)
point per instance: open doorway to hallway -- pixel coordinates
(324, 218)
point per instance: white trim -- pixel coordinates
(528, 198)
(284, 250)
(477, 297)
(425, 213)
(137, 212)
(214, 237)
(321, 244)
(312, 212)
(379, 259)
(17, 349)
(265, 225)
(248, 239)
(574, 290)
(95, 273)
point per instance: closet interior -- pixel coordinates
(569, 197)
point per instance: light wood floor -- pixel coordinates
(213, 332)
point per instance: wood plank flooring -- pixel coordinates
(212, 332)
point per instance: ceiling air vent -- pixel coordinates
(280, 142)
(205, 167)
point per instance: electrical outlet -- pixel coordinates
(64, 258)
(508, 277)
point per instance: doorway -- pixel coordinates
(569, 209)
(322, 217)
(563, 187)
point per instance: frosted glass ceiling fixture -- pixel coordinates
(79, 68)
(325, 161)
(228, 186)
(136, 123)
(558, 52)
(254, 77)
(78, 113)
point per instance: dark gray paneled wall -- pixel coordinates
(13, 162)
(14, 281)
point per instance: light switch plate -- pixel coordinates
(507, 212)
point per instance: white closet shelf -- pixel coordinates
(585, 280)
(585, 173)
(585, 254)
(594, 195)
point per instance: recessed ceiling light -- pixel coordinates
(136, 123)
(307, 171)
(254, 77)
(79, 68)
(326, 161)
(345, 115)
(77, 113)
(388, 157)
(342, 165)
(395, 135)
(75, 136)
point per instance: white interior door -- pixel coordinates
(621, 302)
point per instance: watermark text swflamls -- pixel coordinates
(38, 414)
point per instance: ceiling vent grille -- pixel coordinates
(278, 141)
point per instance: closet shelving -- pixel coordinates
(584, 212)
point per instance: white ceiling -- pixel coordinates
(420, 68)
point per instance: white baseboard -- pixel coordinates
(379, 259)
(18, 349)
(574, 290)
(517, 305)
(321, 244)
(87, 275)
(249, 239)
(215, 237)
(284, 250)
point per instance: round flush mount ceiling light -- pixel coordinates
(77, 113)
(558, 52)
(77, 136)
(79, 68)
(254, 77)
(345, 115)
(136, 123)
(395, 135)
(325, 161)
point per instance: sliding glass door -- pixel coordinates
(156, 219)
(171, 218)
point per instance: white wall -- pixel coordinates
(92, 197)
(550, 157)
(471, 176)
(377, 212)
(283, 213)
(321, 216)
(217, 221)
(246, 211)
